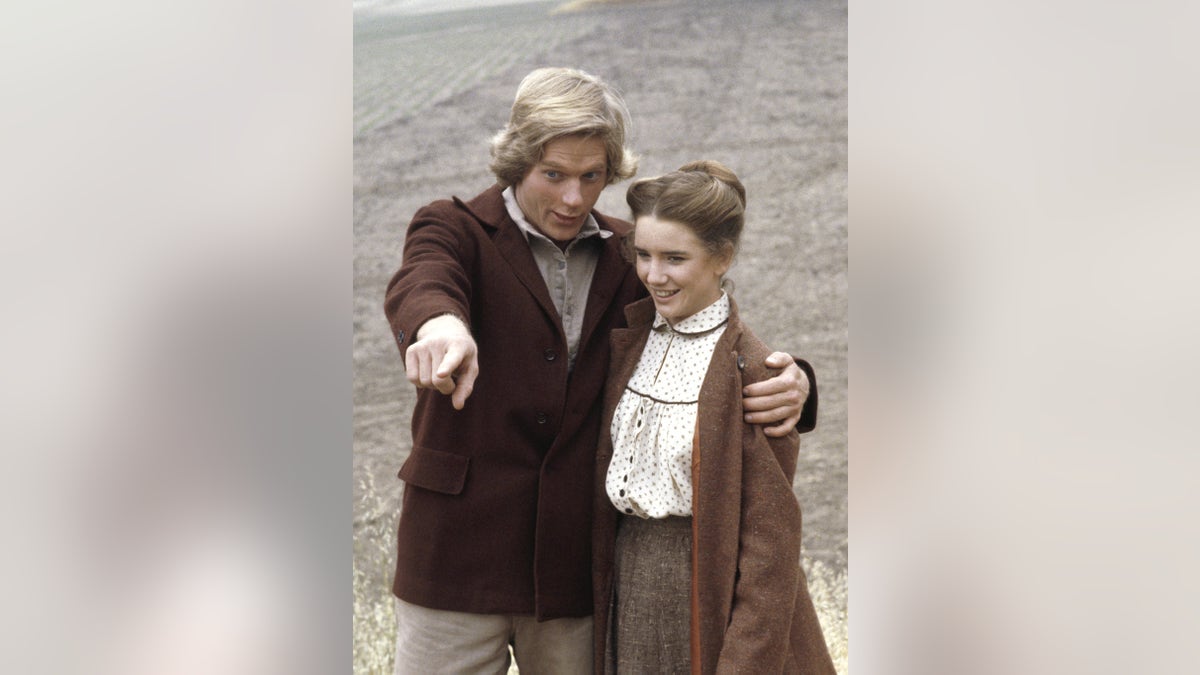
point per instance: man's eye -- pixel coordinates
(553, 175)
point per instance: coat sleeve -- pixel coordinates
(434, 277)
(757, 637)
(808, 415)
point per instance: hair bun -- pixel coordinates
(718, 171)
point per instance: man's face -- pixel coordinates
(559, 191)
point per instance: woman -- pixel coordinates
(697, 532)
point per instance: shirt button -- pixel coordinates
(541, 418)
(549, 354)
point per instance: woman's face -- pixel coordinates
(676, 267)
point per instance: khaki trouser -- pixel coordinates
(437, 641)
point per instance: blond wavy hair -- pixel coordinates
(555, 102)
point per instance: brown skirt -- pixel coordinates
(651, 611)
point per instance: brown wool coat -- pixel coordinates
(751, 611)
(497, 507)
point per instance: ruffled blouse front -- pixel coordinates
(654, 425)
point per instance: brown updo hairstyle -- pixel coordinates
(706, 196)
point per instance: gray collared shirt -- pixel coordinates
(568, 274)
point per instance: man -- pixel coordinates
(502, 308)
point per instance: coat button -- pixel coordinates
(400, 337)
(549, 354)
(541, 418)
(741, 362)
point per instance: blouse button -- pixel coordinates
(628, 510)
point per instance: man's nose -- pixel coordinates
(572, 195)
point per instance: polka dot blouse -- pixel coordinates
(655, 422)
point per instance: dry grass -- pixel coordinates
(375, 620)
(828, 588)
(374, 611)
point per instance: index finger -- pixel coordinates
(443, 377)
(465, 384)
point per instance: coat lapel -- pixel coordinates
(489, 209)
(611, 270)
(627, 345)
(721, 386)
(511, 243)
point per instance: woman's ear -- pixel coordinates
(724, 259)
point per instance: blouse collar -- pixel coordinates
(706, 320)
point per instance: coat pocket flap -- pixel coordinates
(435, 470)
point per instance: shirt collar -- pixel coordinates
(590, 227)
(708, 319)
